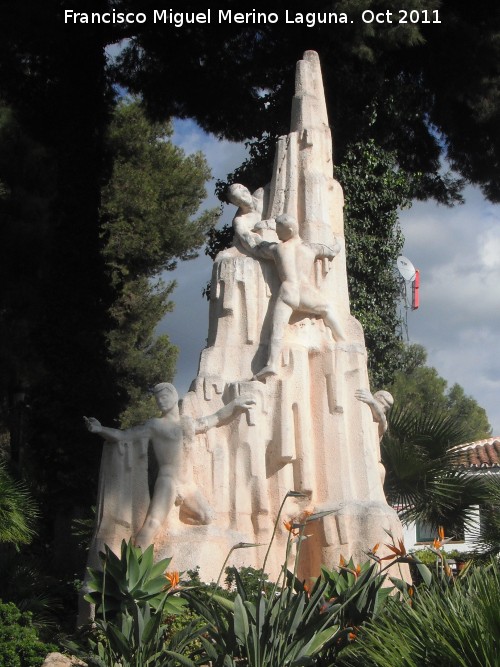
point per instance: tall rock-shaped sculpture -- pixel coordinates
(281, 332)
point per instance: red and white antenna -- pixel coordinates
(410, 275)
(415, 291)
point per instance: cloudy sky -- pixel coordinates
(456, 250)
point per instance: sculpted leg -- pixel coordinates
(333, 324)
(313, 301)
(281, 317)
(159, 507)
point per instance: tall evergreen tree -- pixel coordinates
(147, 224)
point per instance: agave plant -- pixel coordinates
(133, 597)
(131, 579)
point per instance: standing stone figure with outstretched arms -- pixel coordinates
(167, 435)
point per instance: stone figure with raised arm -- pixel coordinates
(379, 403)
(167, 435)
(248, 216)
(294, 259)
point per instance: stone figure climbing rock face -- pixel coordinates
(286, 227)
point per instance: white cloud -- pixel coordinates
(458, 253)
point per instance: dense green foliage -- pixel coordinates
(19, 642)
(394, 65)
(282, 623)
(133, 597)
(349, 616)
(424, 477)
(18, 511)
(375, 191)
(450, 626)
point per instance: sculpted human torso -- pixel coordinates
(166, 435)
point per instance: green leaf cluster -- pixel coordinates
(454, 626)
(18, 510)
(133, 601)
(375, 191)
(150, 198)
(423, 478)
(130, 579)
(286, 624)
(147, 210)
(19, 642)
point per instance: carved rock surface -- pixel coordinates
(307, 433)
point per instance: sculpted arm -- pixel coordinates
(224, 415)
(264, 249)
(114, 434)
(379, 405)
(321, 250)
(247, 238)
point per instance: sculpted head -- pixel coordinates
(385, 399)
(286, 227)
(166, 396)
(239, 195)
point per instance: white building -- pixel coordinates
(479, 458)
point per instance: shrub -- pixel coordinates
(19, 642)
(453, 625)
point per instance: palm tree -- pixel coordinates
(423, 479)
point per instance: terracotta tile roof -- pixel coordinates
(480, 454)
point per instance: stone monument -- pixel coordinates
(284, 350)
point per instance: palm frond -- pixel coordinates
(18, 510)
(422, 476)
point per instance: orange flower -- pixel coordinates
(357, 571)
(396, 550)
(411, 591)
(438, 541)
(375, 548)
(289, 526)
(342, 561)
(173, 578)
(352, 636)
